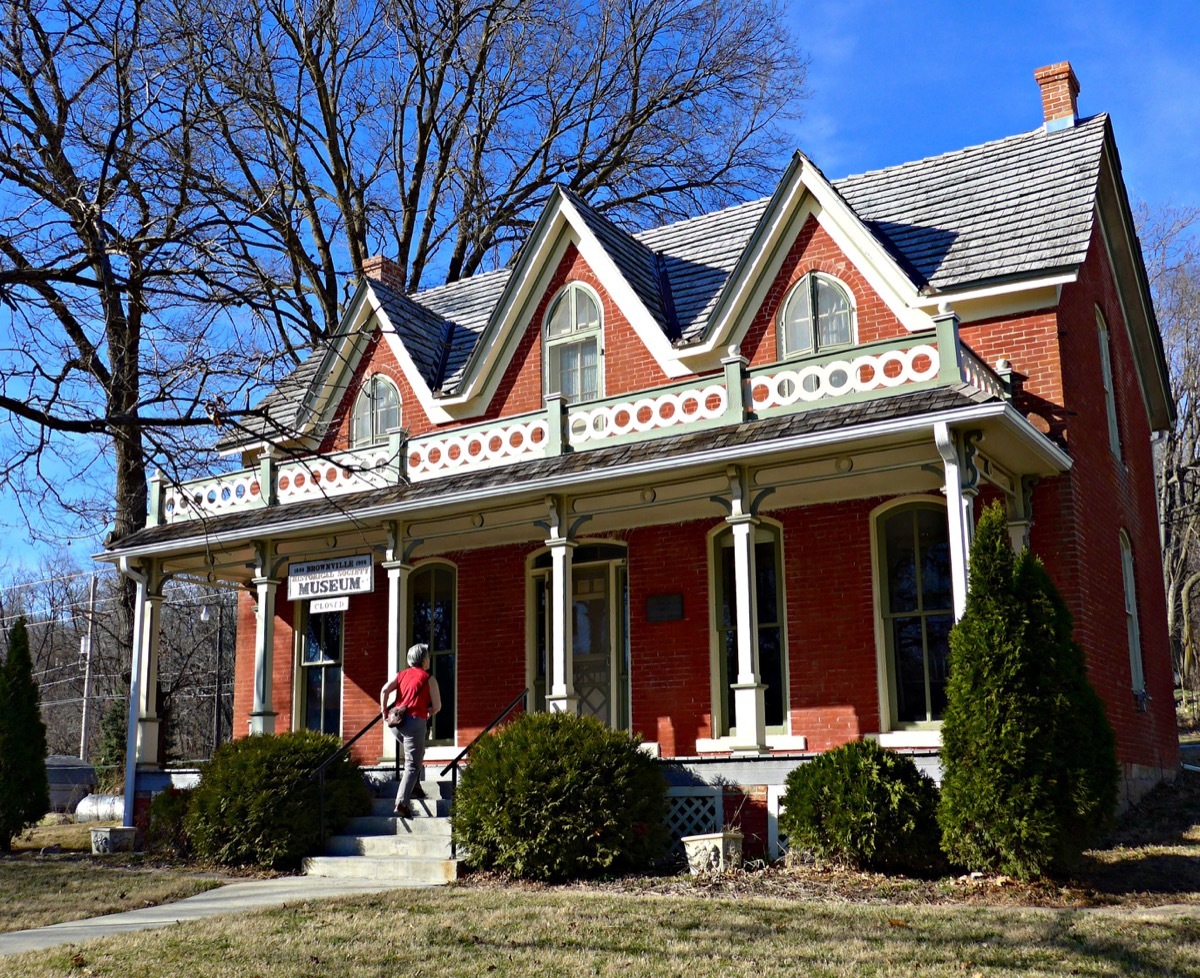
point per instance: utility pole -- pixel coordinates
(216, 737)
(87, 669)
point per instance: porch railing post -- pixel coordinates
(737, 391)
(949, 352)
(556, 419)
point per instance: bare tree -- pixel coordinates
(1172, 250)
(434, 131)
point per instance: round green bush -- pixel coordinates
(257, 804)
(862, 806)
(167, 830)
(554, 797)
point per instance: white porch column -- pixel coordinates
(960, 513)
(399, 573)
(561, 697)
(748, 692)
(262, 715)
(141, 731)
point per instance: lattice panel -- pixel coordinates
(692, 811)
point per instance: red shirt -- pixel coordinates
(413, 691)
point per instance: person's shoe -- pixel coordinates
(402, 811)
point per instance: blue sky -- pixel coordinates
(891, 82)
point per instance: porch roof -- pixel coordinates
(844, 423)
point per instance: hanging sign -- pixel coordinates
(328, 578)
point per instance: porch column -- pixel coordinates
(960, 513)
(398, 573)
(748, 692)
(561, 698)
(262, 716)
(141, 731)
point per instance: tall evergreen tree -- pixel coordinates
(24, 789)
(1029, 758)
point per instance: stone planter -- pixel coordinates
(114, 838)
(713, 852)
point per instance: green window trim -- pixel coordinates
(574, 345)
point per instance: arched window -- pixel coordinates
(1106, 378)
(1133, 632)
(376, 410)
(574, 354)
(769, 603)
(917, 609)
(817, 316)
(433, 606)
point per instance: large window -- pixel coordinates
(1106, 378)
(916, 604)
(772, 656)
(376, 410)
(574, 351)
(432, 603)
(1132, 631)
(321, 668)
(816, 317)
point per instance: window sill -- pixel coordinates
(910, 739)
(726, 745)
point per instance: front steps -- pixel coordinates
(380, 846)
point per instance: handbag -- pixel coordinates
(397, 714)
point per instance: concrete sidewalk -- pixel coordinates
(232, 898)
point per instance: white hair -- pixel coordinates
(417, 653)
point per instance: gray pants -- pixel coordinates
(411, 735)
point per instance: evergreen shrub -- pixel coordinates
(862, 806)
(1030, 771)
(554, 797)
(24, 787)
(256, 803)
(167, 830)
(110, 762)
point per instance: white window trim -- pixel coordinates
(781, 352)
(1106, 379)
(548, 343)
(780, 738)
(908, 735)
(377, 437)
(1133, 629)
(299, 636)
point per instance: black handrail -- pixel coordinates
(523, 699)
(319, 771)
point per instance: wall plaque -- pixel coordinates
(664, 607)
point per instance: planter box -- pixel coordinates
(713, 852)
(114, 838)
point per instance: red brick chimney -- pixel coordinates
(384, 270)
(1060, 89)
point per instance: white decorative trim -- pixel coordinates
(476, 448)
(646, 414)
(910, 739)
(651, 747)
(724, 745)
(840, 377)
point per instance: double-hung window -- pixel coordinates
(376, 410)
(1132, 631)
(574, 351)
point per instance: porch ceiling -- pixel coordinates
(881, 448)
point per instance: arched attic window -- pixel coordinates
(817, 316)
(376, 410)
(573, 347)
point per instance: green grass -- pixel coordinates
(462, 932)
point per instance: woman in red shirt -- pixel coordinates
(418, 691)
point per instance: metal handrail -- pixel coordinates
(521, 698)
(319, 771)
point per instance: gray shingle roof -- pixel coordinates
(1013, 207)
(279, 407)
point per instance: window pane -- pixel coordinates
(559, 321)
(731, 674)
(766, 590)
(933, 538)
(770, 671)
(589, 375)
(387, 408)
(937, 638)
(901, 563)
(441, 638)
(332, 691)
(727, 611)
(422, 610)
(587, 313)
(443, 672)
(312, 699)
(909, 662)
(360, 426)
(797, 322)
(833, 316)
(568, 369)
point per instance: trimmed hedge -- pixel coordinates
(554, 797)
(167, 830)
(862, 806)
(256, 803)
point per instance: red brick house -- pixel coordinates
(713, 483)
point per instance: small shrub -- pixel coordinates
(553, 796)
(167, 832)
(862, 806)
(257, 805)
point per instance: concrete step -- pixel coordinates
(431, 789)
(419, 808)
(410, 869)
(400, 844)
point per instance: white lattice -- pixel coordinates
(692, 811)
(817, 381)
(647, 414)
(478, 448)
(976, 373)
(212, 497)
(345, 472)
